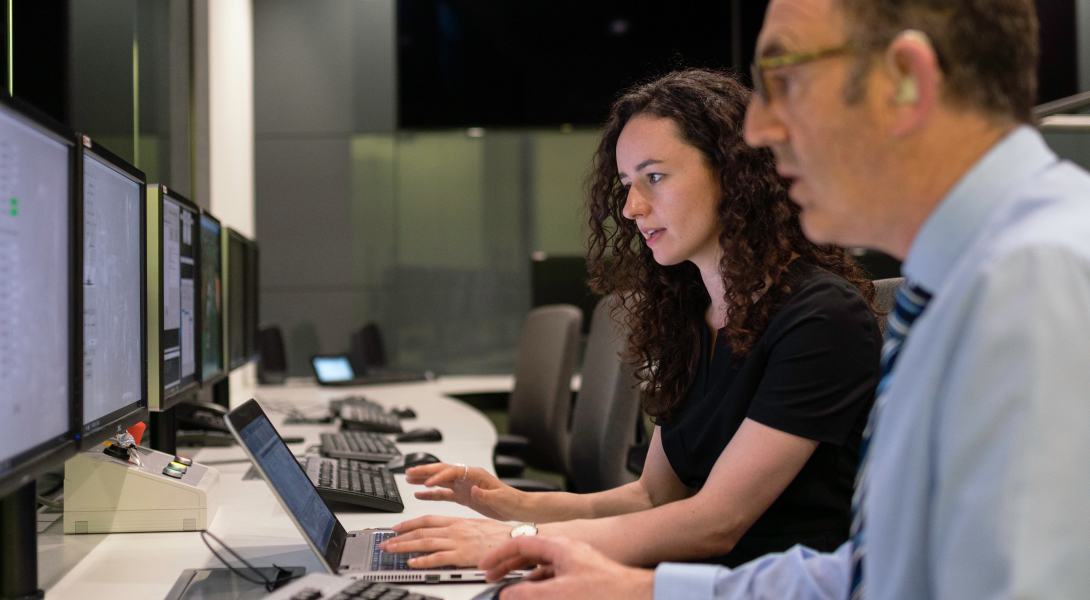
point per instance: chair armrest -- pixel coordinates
(512, 445)
(508, 466)
(531, 485)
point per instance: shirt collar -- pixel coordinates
(948, 230)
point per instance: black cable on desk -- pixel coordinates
(282, 576)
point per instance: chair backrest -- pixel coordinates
(367, 349)
(272, 363)
(883, 298)
(540, 402)
(607, 409)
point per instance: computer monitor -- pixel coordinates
(39, 337)
(211, 299)
(250, 299)
(235, 270)
(173, 318)
(115, 346)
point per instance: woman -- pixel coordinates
(758, 351)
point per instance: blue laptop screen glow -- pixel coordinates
(289, 480)
(334, 368)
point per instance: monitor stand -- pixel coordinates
(164, 431)
(19, 545)
(221, 392)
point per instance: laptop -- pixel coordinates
(336, 369)
(353, 554)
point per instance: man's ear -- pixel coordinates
(914, 69)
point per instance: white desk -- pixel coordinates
(250, 520)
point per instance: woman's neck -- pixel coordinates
(716, 315)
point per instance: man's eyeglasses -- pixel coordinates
(759, 69)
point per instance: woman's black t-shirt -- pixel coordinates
(812, 374)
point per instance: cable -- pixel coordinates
(50, 503)
(270, 584)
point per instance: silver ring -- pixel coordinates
(466, 473)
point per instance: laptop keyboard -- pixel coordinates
(367, 418)
(355, 482)
(386, 561)
(359, 445)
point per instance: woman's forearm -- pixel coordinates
(551, 507)
(684, 530)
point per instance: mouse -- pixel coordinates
(404, 413)
(492, 592)
(399, 463)
(429, 434)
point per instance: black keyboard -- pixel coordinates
(322, 586)
(368, 418)
(336, 404)
(354, 482)
(359, 445)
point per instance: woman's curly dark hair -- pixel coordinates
(664, 306)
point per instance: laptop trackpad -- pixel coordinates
(357, 552)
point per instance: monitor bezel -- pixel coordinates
(33, 462)
(251, 303)
(226, 250)
(170, 399)
(222, 373)
(127, 416)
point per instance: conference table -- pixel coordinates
(249, 518)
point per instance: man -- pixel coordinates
(903, 126)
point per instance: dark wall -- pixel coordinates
(40, 55)
(1058, 72)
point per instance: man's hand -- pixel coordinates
(448, 541)
(566, 569)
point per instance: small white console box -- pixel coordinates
(103, 494)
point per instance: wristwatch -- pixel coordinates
(524, 529)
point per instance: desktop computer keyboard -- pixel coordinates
(354, 482)
(359, 445)
(336, 404)
(323, 586)
(367, 418)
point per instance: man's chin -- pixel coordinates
(818, 228)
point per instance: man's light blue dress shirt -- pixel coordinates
(980, 481)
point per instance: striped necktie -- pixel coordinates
(910, 303)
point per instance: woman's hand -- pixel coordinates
(447, 541)
(471, 487)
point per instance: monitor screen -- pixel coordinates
(236, 299)
(113, 280)
(181, 222)
(282, 472)
(35, 283)
(211, 299)
(332, 368)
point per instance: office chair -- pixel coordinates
(883, 298)
(539, 407)
(367, 349)
(607, 420)
(272, 364)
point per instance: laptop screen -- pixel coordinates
(333, 368)
(288, 479)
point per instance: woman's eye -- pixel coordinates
(655, 177)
